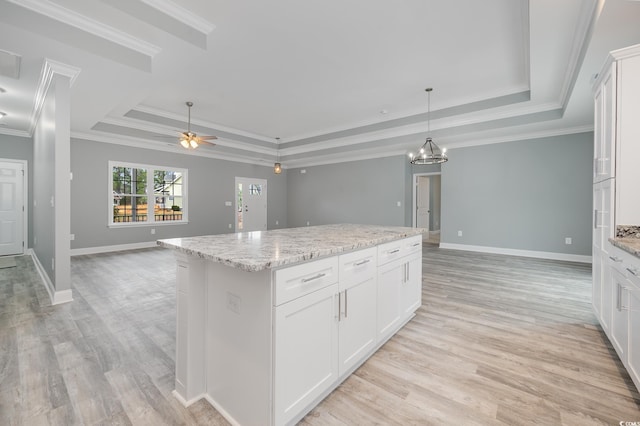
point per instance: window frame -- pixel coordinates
(149, 194)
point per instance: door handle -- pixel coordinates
(346, 303)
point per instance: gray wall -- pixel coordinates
(211, 183)
(525, 195)
(20, 148)
(434, 202)
(365, 191)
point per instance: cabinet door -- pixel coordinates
(619, 315)
(596, 287)
(357, 325)
(633, 355)
(603, 214)
(605, 127)
(607, 293)
(306, 347)
(390, 278)
(412, 285)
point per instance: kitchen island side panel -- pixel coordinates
(239, 343)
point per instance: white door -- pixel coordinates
(422, 202)
(251, 204)
(11, 208)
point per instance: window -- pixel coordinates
(131, 199)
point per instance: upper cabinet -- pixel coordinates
(617, 131)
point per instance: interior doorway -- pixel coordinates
(12, 207)
(426, 204)
(251, 204)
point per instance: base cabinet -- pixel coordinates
(633, 353)
(306, 343)
(619, 328)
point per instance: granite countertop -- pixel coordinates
(256, 251)
(628, 244)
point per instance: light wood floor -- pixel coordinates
(498, 340)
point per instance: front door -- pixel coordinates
(251, 204)
(11, 208)
(423, 209)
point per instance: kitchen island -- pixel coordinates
(270, 322)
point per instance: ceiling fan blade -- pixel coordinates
(208, 137)
(203, 142)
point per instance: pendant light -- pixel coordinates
(277, 167)
(429, 152)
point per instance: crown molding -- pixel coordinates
(169, 147)
(136, 124)
(14, 132)
(202, 123)
(89, 25)
(341, 158)
(50, 68)
(471, 140)
(580, 44)
(181, 14)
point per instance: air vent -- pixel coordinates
(9, 64)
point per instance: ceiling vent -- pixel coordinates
(9, 64)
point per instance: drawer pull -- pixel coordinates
(306, 280)
(362, 262)
(615, 259)
(417, 244)
(394, 251)
(633, 271)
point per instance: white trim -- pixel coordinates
(150, 192)
(109, 249)
(133, 123)
(172, 147)
(181, 14)
(56, 297)
(521, 253)
(228, 417)
(202, 123)
(49, 69)
(89, 25)
(414, 220)
(14, 132)
(183, 401)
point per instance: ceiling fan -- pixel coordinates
(189, 139)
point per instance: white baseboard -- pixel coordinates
(56, 297)
(521, 253)
(109, 249)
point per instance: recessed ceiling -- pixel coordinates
(317, 74)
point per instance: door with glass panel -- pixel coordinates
(251, 204)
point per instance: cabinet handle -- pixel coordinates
(394, 251)
(619, 297)
(633, 271)
(362, 262)
(615, 259)
(417, 244)
(306, 280)
(595, 219)
(346, 303)
(339, 305)
(407, 266)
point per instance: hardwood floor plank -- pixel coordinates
(499, 340)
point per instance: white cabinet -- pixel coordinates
(604, 119)
(357, 308)
(633, 353)
(399, 284)
(306, 343)
(619, 328)
(412, 285)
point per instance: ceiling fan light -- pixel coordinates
(277, 168)
(184, 143)
(193, 143)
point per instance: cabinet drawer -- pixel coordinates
(399, 248)
(412, 244)
(358, 266)
(296, 281)
(390, 251)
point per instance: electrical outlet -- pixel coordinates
(399, 203)
(459, 233)
(307, 223)
(303, 171)
(229, 226)
(568, 241)
(276, 222)
(72, 237)
(227, 203)
(153, 231)
(234, 302)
